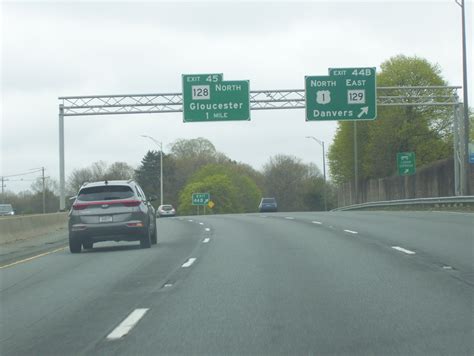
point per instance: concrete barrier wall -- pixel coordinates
(436, 180)
(28, 226)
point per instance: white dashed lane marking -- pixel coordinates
(129, 322)
(188, 263)
(317, 222)
(206, 240)
(207, 229)
(201, 223)
(404, 250)
(351, 232)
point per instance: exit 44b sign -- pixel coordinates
(208, 97)
(200, 198)
(344, 94)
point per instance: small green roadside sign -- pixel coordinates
(207, 97)
(345, 94)
(406, 163)
(201, 199)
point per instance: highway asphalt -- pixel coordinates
(342, 283)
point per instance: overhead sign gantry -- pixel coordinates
(359, 93)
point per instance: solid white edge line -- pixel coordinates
(206, 240)
(189, 262)
(289, 218)
(351, 232)
(127, 324)
(317, 222)
(401, 249)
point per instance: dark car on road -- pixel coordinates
(268, 205)
(111, 211)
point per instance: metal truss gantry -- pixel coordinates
(259, 100)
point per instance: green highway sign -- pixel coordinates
(201, 198)
(406, 163)
(345, 94)
(207, 97)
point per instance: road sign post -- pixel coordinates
(207, 97)
(471, 152)
(406, 163)
(200, 199)
(345, 94)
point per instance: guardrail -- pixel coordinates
(469, 199)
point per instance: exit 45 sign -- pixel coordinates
(345, 94)
(208, 97)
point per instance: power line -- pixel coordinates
(23, 174)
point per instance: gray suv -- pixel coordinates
(111, 211)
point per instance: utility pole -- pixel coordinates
(356, 165)
(161, 173)
(44, 191)
(3, 186)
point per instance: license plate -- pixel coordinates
(104, 219)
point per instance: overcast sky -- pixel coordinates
(52, 49)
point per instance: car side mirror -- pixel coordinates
(152, 198)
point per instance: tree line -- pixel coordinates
(192, 166)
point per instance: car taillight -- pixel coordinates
(79, 206)
(131, 202)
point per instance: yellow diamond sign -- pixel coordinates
(211, 204)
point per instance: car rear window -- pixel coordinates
(105, 192)
(268, 200)
(167, 207)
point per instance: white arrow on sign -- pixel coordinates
(364, 110)
(406, 171)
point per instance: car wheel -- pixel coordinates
(87, 245)
(75, 244)
(145, 241)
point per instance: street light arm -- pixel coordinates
(315, 139)
(154, 140)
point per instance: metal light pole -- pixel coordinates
(324, 170)
(160, 144)
(462, 4)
